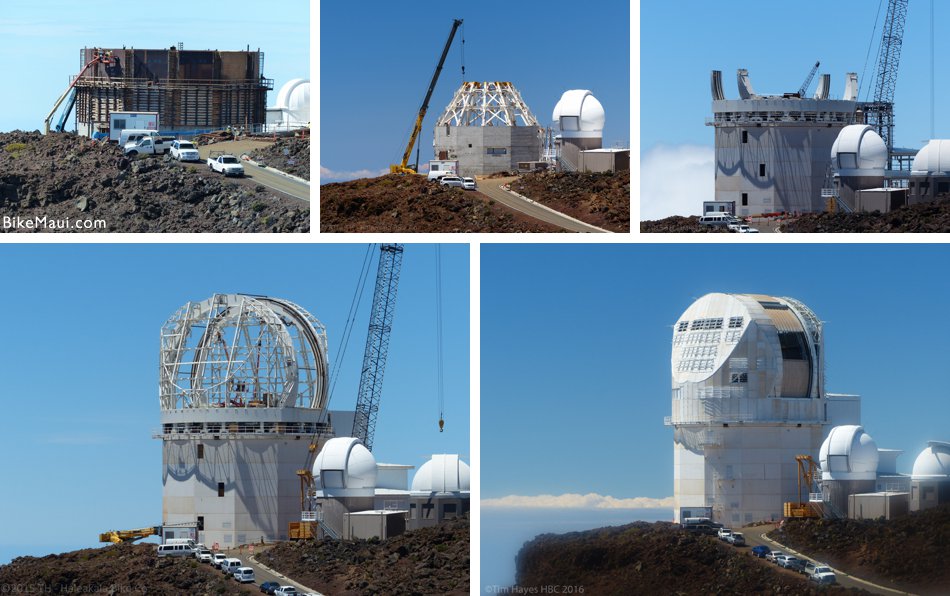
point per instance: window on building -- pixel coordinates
(735, 322)
(201, 523)
(745, 136)
(682, 326)
(220, 489)
(943, 187)
(762, 170)
(739, 377)
(201, 451)
(745, 199)
(496, 151)
(449, 511)
(427, 509)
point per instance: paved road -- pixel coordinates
(254, 175)
(491, 188)
(755, 536)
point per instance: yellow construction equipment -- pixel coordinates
(808, 474)
(403, 168)
(117, 536)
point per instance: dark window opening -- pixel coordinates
(201, 451)
(943, 187)
(793, 345)
(745, 199)
(449, 511)
(201, 523)
(739, 378)
(220, 489)
(762, 170)
(745, 136)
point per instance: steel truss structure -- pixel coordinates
(493, 103)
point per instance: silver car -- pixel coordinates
(450, 181)
(468, 183)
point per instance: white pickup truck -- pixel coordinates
(226, 164)
(148, 146)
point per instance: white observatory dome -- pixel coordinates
(848, 453)
(933, 462)
(292, 108)
(579, 114)
(749, 344)
(345, 467)
(859, 147)
(442, 474)
(934, 158)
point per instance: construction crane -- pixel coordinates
(117, 536)
(99, 57)
(377, 343)
(808, 474)
(808, 80)
(403, 168)
(371, 383)
(879, 113)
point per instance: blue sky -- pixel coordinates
(575, 351)
(80, 368)
(682, 42)
(375, 71)
(42, 41)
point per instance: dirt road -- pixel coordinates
(491, 188)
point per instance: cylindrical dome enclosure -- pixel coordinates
(934, 158)
(238, 351)
(859, 147)
(848, 453)
(933, 463)
(444, 473)
(578, 114)
(345, 467)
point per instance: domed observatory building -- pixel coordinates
(292, 108)
(772, 150)
(748, 396)
(930, 479)
(859, 160)
(930, 173)
(242, 389)
(440, 491)
(849, 460)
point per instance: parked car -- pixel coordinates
(760, 551)
(175, 550)
(736, 539)
(204, 556)
(823, 575)
(724, 533)
(269, 587)
(468, 183)
(229, 566)
(451, 181)
(793, 563)
(218, 558)
(184, 151)
(773, 554)
(245, 575)
(286, 591)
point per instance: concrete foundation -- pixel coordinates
(482, 150)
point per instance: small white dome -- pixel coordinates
(344, 467)
(578, 113)
(442, 474)
(859, 147)
(293, 100)
(933, 462)
(934, 158)
(848, 453)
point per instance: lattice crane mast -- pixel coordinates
(879, 113)
(808, 80)
(403, 168)
(377, 342)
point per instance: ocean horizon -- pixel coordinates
(504, 530)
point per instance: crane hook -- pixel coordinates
(441, 424)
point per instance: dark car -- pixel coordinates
(760, 551)
(269, 587)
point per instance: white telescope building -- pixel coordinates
(748, 396)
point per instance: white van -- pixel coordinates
(175, 550)
(134, 135)
(245, 575)
(231, 565)
(187, 541)
(717, 219)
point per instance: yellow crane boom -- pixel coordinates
(117, 536)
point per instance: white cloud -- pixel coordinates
(328, 175)
(675, 180)
(576, 501)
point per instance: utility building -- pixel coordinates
(242, 389)
(748, 396)
(488, 128)
(772, 151)
(191, 90)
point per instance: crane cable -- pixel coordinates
(867, 58)
(351, 318)
(438, 326)
(463, 52)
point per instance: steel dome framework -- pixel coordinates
(493, 103)
(238, 351)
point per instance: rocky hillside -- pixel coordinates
(910, 551)
(66, 178)
(923, 217)
(427, 561)
(601, 199)
(288, 154)
(678, 224)
(643, 558)
(394, 203)
(118, 569)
